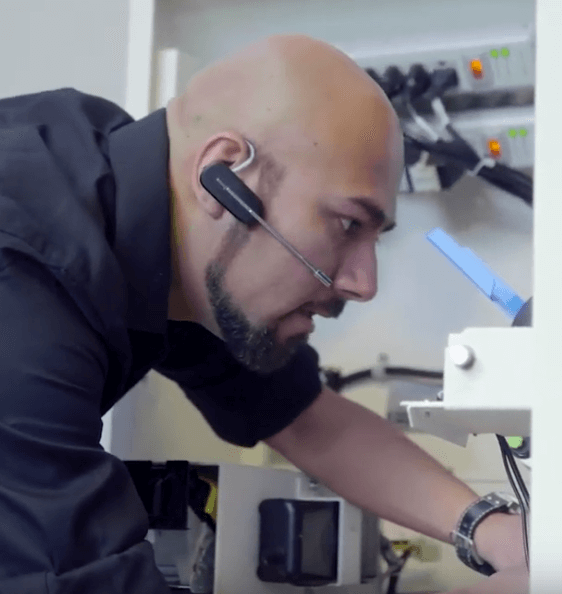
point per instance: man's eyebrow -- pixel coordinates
(376, 214)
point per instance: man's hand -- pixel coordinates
(514, 580)
(499, 540)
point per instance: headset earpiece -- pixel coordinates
(226, 187)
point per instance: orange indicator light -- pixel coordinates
(477, 68)
(495, 148)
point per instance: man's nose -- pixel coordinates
(356, 278)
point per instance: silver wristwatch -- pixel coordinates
(462, 536)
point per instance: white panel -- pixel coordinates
(139, 57)
(513, 127)
(212, 28)
(241, 490)
(174, 69)
(508, 58)
(495, 395)
(499, 377)
(48, 45)
(546, 521)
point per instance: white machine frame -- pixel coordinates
(241, 489)
(513, 386)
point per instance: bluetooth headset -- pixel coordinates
(229, 190)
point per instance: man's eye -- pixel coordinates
(350, 225)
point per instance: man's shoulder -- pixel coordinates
(60, 105)
(56, 192)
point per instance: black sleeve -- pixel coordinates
(241, 406)
(71, 521)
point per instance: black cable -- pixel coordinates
(419, 83)
(412, 372)
(524, 510)
(498, 171)
(508, 456)
(503, 177)
(337, 381)
(356, 377)
(519, 488)
(409, 179)
(460, 152)
(395, 575)
(395, 564)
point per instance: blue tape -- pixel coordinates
(478, 272)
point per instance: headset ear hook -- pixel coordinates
(248, 161)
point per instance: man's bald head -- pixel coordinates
(285, 93)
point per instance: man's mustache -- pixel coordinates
(335, 307)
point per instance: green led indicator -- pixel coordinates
(505, 52)
(514, 442)
(512, 133)
(523, 132)
(494, 53)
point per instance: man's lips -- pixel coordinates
(298, 323)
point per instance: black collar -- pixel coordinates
(139, 155)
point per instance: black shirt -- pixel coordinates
(84, 283)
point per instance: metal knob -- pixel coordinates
(462, 356)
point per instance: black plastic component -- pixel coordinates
(412, 154)
(460, 152)
(393, 82)
(225, 186)
(332, 379)
(163, 490)
(298, 542)
(418, 81)
(449, 175)
(373, 74)
(442, 79)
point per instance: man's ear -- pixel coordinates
(226, 147)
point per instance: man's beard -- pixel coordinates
(254, 346)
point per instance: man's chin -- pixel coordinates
(294, 341)
(268, 358)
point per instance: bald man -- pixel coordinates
(117, 257)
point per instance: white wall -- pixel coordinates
(211, 28)
(48, 44)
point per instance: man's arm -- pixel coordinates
(375, 466)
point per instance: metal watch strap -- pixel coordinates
(463, 535)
